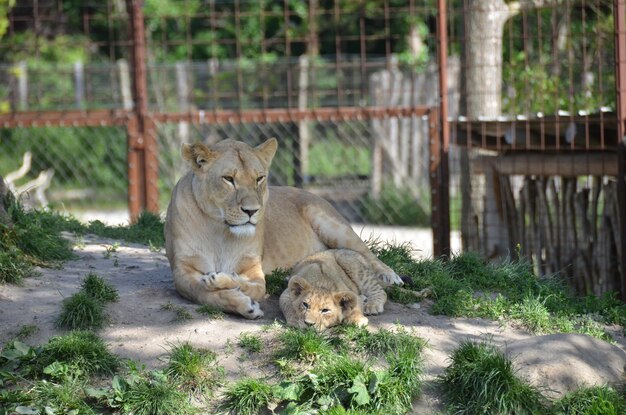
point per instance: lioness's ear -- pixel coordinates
(267, 150)
(297, 286)
(347, 300)
(198, 155)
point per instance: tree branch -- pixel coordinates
(517, 7)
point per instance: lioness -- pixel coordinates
(332, 287)
(225, 227)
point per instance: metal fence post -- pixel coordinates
(620, 80)
(441, 203)
(143, 152)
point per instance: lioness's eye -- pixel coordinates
(260, 179)
(325, 311)
(228, 179)
(305, 305)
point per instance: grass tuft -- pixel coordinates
(82, 349)
(81, 312)
(276, 282)
(250, 342)
(481, 380)
(303, 344)
(212, 312)
(194, 370)
(248, 396)
(181, 313)
(598, 400)
(149, 395)
(99, 289)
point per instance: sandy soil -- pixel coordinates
(140, 329)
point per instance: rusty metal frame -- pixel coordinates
(620, 75)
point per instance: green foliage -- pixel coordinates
(81, 311)
(97, 288)
(307, 345)
(82, 349)
(194, 370)
(470, 286)
(212, 312)
(395, 207)
(85, 309)
(276, 282)
(598, 400)
(481, 380)
(147, 394)
(250, 342)
(147, 230)
(14, 266)
(181, 313)
(248, 396)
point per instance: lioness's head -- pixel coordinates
(319, 308)
(229, 181)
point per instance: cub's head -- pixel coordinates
(229, 181)
(317, 307)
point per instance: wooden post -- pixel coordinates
(304, 131)
(125, 90)
(182, 90)
(79, 84)
(22, 86)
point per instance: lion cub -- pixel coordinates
(332, 287)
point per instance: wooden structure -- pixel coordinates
(550, 194)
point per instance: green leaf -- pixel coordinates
(360, 394)
(26, 410)
(289, 391)
(96, 393)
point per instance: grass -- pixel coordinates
(212, 312)
(194, 370)
(81, 312)
(598, 400)
(395, 206)
(82, 349)
(248, 396)
(305, 345)
(180, 312)
(27, 331)
(97, 288)
(276, 282)
(481, 380)
(250, 342)
(469, 286)
(85, 309)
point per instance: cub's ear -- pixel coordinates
(347, 300)
(266, 151)
(297, 285)
(198, 155)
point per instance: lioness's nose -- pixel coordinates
(249, 212)
(309, 323)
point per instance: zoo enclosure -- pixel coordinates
(536, 162)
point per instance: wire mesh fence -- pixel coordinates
(536, 159)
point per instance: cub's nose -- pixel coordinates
(249, 212)
(309, 323)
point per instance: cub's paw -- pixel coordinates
(253, 311)
(218, 280)
(373, 308)
(390, 278)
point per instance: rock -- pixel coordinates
(561, 363)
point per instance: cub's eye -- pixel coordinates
(305, 306)
(228, 179)
(260, 179)
(325, 311)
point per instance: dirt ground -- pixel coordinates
(139, 327)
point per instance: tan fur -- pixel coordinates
(219, 254)
(330, 288)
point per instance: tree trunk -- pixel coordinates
(6, 199)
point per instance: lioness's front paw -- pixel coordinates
(218, 280)
(253, 311)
